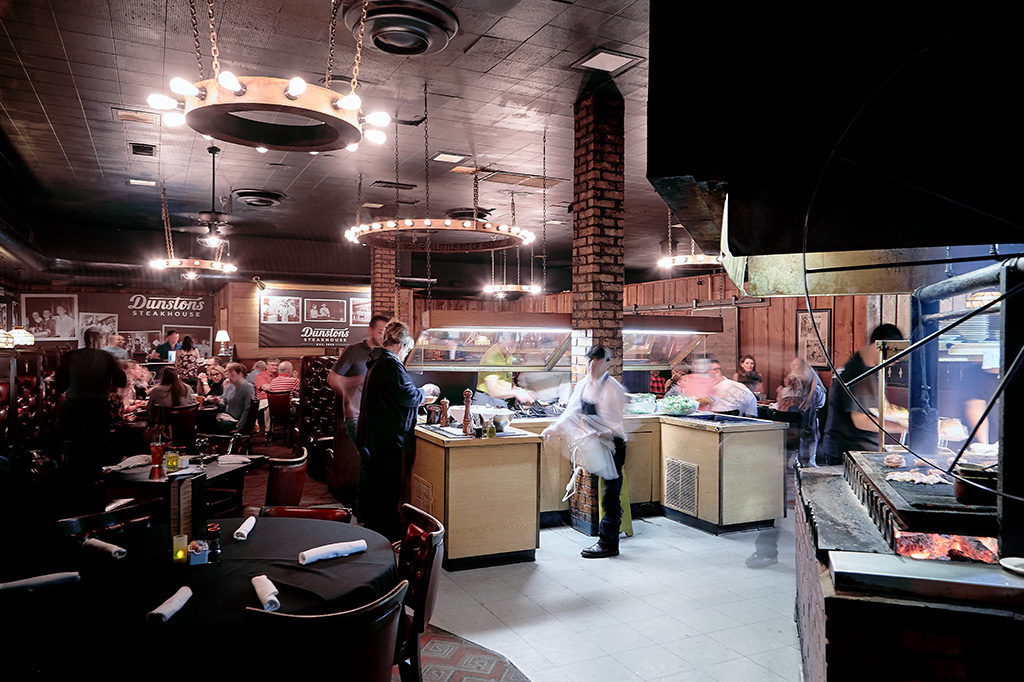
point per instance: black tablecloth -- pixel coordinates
(107, 609)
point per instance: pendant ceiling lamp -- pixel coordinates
(190, 266)
(432, 234)
(505, 289)
(244, 109)
(691, 259)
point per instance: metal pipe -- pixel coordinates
(931, 337)
(13, 244)
(902, 264)
(954, 314)
(969, 281)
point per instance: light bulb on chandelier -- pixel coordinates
(162, 102)
(230, 81)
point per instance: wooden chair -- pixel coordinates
(339, 514)
(240, 442)
(359, 643)
(108, 525)
(419, 562)
(279, 405)
(181, 421)
(285, 481)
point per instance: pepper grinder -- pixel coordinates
(467, 423)
(444, 411)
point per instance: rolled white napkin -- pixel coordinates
(163, 613)
(331, 551)
(266, 593)
(130, 462)
(246, 528)
(106, 547)
(40, 581)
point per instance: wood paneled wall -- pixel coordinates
(767, 331)
(236, 307)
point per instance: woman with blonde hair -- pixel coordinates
(387, 417)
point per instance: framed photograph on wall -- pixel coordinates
(108, 320)
(325, 310)
(280, 309)
(141, 342)
(361, 310)
(807, 345)
(51, 317)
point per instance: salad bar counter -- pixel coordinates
(714, 472)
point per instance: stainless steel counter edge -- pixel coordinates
(750, 424)
(462, 442)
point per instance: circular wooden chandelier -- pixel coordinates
(267, 113)
(446, 235)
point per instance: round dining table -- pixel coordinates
(109, 604)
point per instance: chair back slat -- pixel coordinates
(360, 642)
(419, 562)
(279, 403)
(181, 421)
(338, 514)
(285, 481)
(82, 527)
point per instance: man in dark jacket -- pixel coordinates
(87, 375)
(387, 417)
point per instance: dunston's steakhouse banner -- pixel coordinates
(306, 317)
(59, 316)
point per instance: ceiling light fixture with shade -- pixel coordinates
(432, 234)
(22, 337)
(260, 111)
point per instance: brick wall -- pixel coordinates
(598, 266)
(382, 281)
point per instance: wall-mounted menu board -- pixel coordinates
(308, 317)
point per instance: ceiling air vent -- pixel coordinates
(389, 184)
(522, 179)
(134, 116)
(259, 198)
(142, 149)
(403, 27)
(466, 212)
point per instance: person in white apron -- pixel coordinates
(595, 409)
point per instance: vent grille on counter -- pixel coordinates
(681, 486)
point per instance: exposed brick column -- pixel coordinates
(382, 281)
(598, 267)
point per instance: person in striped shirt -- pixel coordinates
(284, 381)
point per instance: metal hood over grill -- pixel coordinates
(883, 134)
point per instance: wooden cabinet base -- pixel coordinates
(485, 492)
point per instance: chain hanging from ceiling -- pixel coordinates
(426, 182)
(335, 6)
(544, 220)
(398, 242)
(195, 34)
(335, 122)
(214, 50)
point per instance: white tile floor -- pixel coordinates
(677, 604)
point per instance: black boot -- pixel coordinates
(600, 550)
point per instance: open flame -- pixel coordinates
(946, 547)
